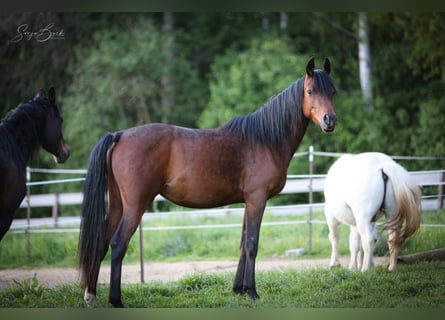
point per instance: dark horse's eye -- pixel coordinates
(309, 91)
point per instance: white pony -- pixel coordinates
(359, 189)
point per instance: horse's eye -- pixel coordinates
(309, 91)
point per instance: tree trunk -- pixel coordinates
(431, 255)
(167, 99)
(364, 56)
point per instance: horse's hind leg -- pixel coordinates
(113, 219)
(368, 240)
(334, 239)
(119, 244)
(355, 249)
(394, 249)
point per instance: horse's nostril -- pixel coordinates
(330, 120)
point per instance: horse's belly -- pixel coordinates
(201, 195)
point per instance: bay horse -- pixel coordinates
(361, 188)
(245, 160)
(35, 123)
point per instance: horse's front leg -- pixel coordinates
(253, 215)
(5, 221)
(239, 277)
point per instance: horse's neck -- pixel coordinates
(23, 137)
(295, 137)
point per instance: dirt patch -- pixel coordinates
(161, 272)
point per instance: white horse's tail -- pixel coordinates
(407, 195)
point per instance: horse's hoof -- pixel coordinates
(252, 294)
(117, 304)
(238, 290)
(89, 299)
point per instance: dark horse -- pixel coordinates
(32, 124)
(245, 160)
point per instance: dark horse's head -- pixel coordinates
(51, 138)
(318, 95)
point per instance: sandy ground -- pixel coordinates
(160, 272)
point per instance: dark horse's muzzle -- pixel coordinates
(63, 155)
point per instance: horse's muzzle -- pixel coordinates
(329, 122)
(63, 155)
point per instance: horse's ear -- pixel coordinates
(52, 95)
(310, 67)
(327, 66)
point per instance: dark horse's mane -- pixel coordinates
(280, 117)
(20, 129)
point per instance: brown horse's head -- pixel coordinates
(319, 91)
(52, 138)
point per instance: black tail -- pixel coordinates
(93, 223)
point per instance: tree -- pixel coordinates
(364, 57)
(117, 83)
(364, 53)
(242, 82)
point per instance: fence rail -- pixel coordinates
(304, 183)
(294, 184)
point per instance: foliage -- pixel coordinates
(243, 81)
(124, 79)
(115, 70)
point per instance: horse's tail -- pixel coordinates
(93, 222)
(407, 196)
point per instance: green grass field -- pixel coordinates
(417, 285)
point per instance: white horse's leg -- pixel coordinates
(334, 238)
(89, 298)
(360, 255)
(368, 243)
(354, 248)
(393, 250)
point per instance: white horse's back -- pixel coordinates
(358, 190)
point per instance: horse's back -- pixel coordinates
(355, 183)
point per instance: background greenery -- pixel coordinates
(115, 70)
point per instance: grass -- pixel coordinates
(419, 285)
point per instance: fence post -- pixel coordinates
(28, 215)
(311, 162)
(141, 250)
(55, 211)
(440, 190)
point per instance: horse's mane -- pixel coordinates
(274, 121)
(20, 129)
(280, 117)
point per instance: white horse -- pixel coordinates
(359, 189)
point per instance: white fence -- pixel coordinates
(308, 183)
